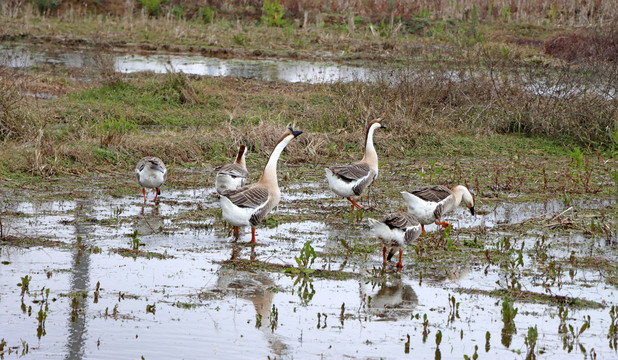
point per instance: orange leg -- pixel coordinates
(384, 255)
(423, 229)
(354, 204)
(444, 224)
(236, 232)
(252, 235)
(157, 192)
(400, 264)
(144, 192)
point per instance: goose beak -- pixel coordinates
(295, 132)
(382, 126)
(472, 210)
(157, 167)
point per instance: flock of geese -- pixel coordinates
(248, 205)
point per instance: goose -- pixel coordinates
(428, 204)
(151, 173)
(248, 205)
(232, 176)
(352, 179)
(395, 231)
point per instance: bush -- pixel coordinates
(205, 14)
(152, 6)
(272, 13)
(46, 6)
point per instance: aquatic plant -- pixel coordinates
(306, 258)
(530, 342)
(508, 316)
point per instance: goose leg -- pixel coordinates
(354, 204)
(144, 192)
(252, 235)
(400, 264)
(444, 224)
(236, 232)
(384, 255)
(156, 194)
(423, 229)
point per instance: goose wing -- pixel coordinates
(234, 170)
(400, 221)
(434, 193)
(351, 172)
(248, 196)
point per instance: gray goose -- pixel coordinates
(395, 231)
(232, 176)
(151, 173)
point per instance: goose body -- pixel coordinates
(248, 205)
(351, 180)
(395, 231)
(232, 176)
(430, 203)
(151, 173)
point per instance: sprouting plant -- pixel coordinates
(453, 308)
(570, 337)
(487, 344)
(151, 308)
(432, 172)
(508, 319)
(305, 288)
(135, 244)
(530, 341)
(475, 355)
(612, 335)
(511, 262)
(24, 284)
(306, 258)
(205, 14)
(273, 318)
(240, 39)
(426, 330)
(258, 320)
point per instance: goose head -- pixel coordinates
(153, 165)
(240, 157)
(467, 198)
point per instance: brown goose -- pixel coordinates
(395, 231)
(428, 204)
(232, 176)
(151, 173)
(248, 205)
(352, 179)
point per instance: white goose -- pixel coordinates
(232, 176)
(151, 173)
(428, 204)
(395, 231)
(248, 205)
(352, 179)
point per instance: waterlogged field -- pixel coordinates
(90, 271)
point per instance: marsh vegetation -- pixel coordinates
(517, 103)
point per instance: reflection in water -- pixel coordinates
(392, 297)
(79, 282)
(150, 222)
(257, 289)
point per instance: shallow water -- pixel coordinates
(204, 306)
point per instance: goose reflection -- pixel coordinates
(254, 287)
(391, 298)
(149, 222)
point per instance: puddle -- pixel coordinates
(269, 70)
(263, 69)
(193, 302)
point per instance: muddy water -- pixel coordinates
(191, 303)
(290, 71)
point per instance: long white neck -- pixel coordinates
(269, 176)
(371, 157)
(458, 192)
